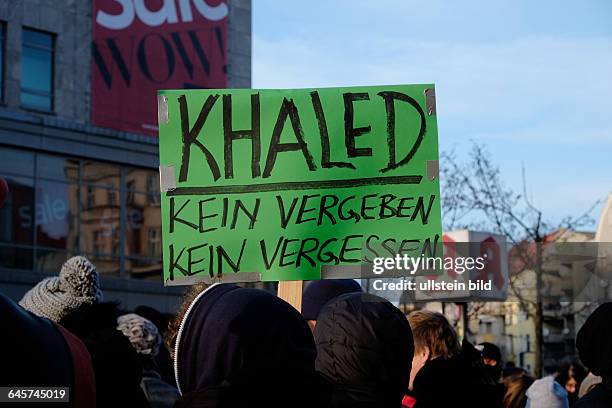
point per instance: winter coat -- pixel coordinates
(37, 352)
(117, 366)
(599, 397)
(83, 392)
(241, 347)
(460, 381)
(364, 348)
(159, 393)
(594, 344)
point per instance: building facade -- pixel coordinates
(77, 132)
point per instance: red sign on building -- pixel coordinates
(140, 46)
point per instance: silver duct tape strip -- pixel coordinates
(430, 101)
(341, 272)
(162, 109)
(240, 277)
(167, 178)
(433, 170)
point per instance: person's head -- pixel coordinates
(594, 341)
(571, 376)
(318, 293)
(492, 359)
(491, 354)
(434, 337)
(238, 346)
(516, 388)
(76, 287)
(364, 348)
(142, 334)
(510, 368)
(511, 371)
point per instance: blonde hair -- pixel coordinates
(431, 330)
(516, 388)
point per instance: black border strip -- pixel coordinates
(294, 185)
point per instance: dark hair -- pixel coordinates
(569, 371)
(517, 384)
(491, 351)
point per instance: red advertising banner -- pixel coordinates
(140, 46)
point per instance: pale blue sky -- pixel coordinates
(530, 79)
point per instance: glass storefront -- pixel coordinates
(60, 206)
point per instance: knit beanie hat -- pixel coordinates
(141, 332)
(55, 298)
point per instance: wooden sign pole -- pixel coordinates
(291, 292)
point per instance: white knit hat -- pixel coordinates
(142, 333)
(55, 298)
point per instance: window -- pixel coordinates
(37, 70)
(2, 51)
(102, 174)
(153, 189)
(111, 197)
(154, 248)
(56, 214)
(17, 214)
(527, 343)
(91, 197)
(60, 206)
(99, 242)
(131, 185)
(57, 168)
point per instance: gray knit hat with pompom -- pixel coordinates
(141, 332)
(55, 298)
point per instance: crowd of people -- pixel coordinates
(230, 346)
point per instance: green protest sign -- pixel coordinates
(280, 183)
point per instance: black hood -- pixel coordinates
(35, 353)
(246, 347)
(365, 349)
(594, 341)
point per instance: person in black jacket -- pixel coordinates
(240, 347)
(118, 369)
(39, 353)
(594, 344)
(163, 360)
(492, 359)
(445, 374)
(145, 339)
(35, 353)
(364, 348)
